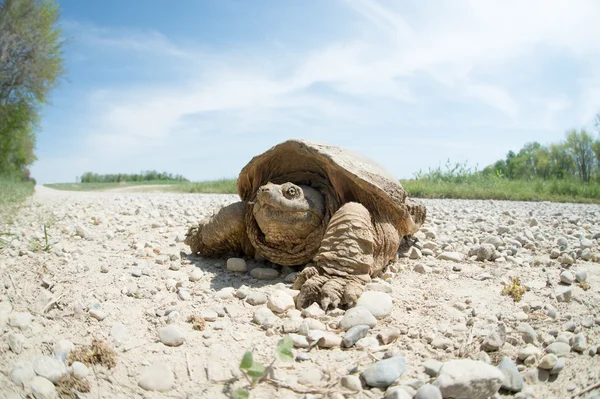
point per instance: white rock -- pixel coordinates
(15, 342)
(548, 361)
(158, 377)
(196, 275)
(379, 304)
(280, 301)
(265, 318)
(62, 349)
(414, 253)
(237, 265)
(314, 311)
(566, 277)
(351, 382)
(97, 314)
(469, 379)
(49, 368)
(264, 273)
(356, 316)
(41, 388)
(79, 369)
(452, 256)
(22, 373)
(171, 335)
(21, 320)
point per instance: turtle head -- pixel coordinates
(288, 212)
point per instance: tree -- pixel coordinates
(580, 145)
(31, 63)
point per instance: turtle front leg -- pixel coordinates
(352, 250)
(222, 233)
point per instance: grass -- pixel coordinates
(221, 186)
(482, 187)
(453, 183)
(12, 194)
(13, 191)
(108, 186)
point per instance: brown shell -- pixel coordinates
(352, 177)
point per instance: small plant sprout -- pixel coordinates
(39, 245)
(255, 371)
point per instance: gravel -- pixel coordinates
(413, 308)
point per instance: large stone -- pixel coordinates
(158, 377)
(50, 368)
(22, 373)
(280, 301)
(356, 316)
(265, 318)
(171, 335)
(560, 349)
(512, 379)
(237, 265)
(354, 334)
(469, 379)
(378, 303)
(495, 340)
(42, 388)
(383, 373)
(264, 273)
(485, 252)
(452, 256)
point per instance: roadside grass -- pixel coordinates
(108, 186)
(12, 194)
(221, 186)
(482, 187)
(432, 185)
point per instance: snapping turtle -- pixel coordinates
(304, 202)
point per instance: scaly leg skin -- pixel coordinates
(223, 233)
(352, 250)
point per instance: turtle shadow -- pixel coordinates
(220, 277)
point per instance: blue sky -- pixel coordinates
(199, 87)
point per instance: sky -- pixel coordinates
(198, 87)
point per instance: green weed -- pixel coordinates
(255, 371)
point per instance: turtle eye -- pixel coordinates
(292, 191)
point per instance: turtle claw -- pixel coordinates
(325, 303)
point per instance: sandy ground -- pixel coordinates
(122, 253)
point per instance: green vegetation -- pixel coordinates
(478, 187)
(108, 186)
(222, 186)
(30, 64)
(147, 176)
(13, 191)
(256, 372)
(12, 194)
(565, 172)
(577, 157)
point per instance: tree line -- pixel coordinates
(149, 175)
(576, 157)
(31, 63)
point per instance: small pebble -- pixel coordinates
(97, 314)
(428, 391)
(257, 298)
(171, 335)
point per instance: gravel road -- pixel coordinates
(113, 267)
